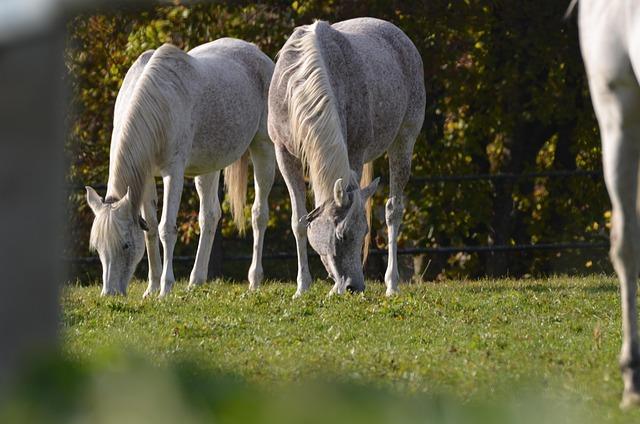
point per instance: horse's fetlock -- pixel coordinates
(630, 357)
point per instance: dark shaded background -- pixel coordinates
(506, 94)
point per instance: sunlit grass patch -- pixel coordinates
(502, 341)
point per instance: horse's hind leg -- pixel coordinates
(264, 167)
(208, 217)
(399, 169)
(150, 215)
(617, 104)
(291, 170)
(621, 173)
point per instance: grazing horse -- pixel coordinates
(341, 96)
(183, 114)
(610, 43)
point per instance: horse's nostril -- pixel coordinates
(355, 289)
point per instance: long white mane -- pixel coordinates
(107, 231)
(146, 111)
(143, 120)
(314, 120)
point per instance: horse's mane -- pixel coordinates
(143, 119)
(107, 230)
(314, 120)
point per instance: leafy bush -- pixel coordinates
(506, 93)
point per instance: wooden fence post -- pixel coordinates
(32, 119)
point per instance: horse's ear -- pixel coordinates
(339, 195)
(370, 189)
(93, 200)
(124, 201)
(143, 223)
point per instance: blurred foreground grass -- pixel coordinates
(507, 351)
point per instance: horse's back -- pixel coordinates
(230, 105)
(382, 46)
(391, 69)
(257, 66)
(371, 37)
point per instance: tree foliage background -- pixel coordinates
(506, 93)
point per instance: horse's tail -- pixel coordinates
(569, 11)
(235, 181)
(365, 180)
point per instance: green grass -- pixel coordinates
(552, 342)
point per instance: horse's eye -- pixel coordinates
(126, 246)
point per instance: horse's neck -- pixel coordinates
(128, 172)
(320, 195)
(139, 134)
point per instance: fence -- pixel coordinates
(559, 246)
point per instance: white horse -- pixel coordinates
(610, 43)
(183, 114)
(341, 96)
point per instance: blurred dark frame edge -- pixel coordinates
(32, 136)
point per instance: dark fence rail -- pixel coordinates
(408, 251)
(559, 246)
(433, 178)
(506, 176)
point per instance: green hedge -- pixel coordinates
(506, 93)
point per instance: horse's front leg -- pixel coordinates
(210, 213)
(264, 166)
(291, 170)
(173, 183)
(616, 104)
(616, 99)
(399, 171)
(150, 215)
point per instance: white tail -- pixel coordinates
(569, 11)
(365, 180)
(235, 182)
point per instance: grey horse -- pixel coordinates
(611, 51)
(183, 114)
(341, 96)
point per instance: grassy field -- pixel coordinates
(442, 350)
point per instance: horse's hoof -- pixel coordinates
(335, 291)
(196, 283)
(255, 278)
(297, 295)
(355, 289)
(630, 399)
(392, 291)
(254, 287)
(193, 283)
